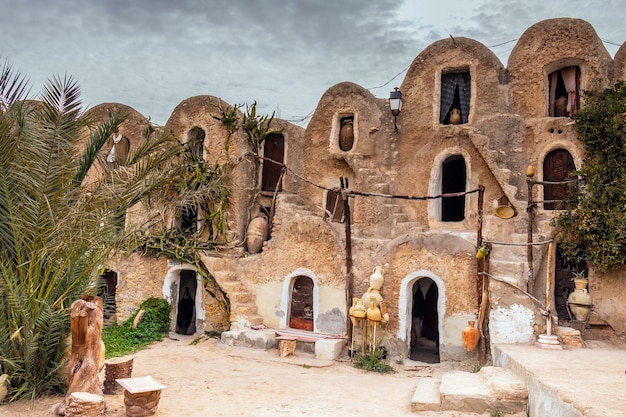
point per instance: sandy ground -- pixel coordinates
(210, 378)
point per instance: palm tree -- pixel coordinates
(56, 229)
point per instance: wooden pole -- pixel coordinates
(479, 243)
(549, 277)
(529, 228)
(346, 211)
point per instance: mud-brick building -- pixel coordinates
(468, 126)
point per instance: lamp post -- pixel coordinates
(395, 105)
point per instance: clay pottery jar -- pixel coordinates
(346, 135)
(580, 300)
(377, 279)
(371, 292)
(257, 233)
(358, 309)
(470, 336)
(560, 107)
(373, 312)
(455, 116)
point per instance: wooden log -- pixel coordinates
(116, 368)
(84, 404)
(84, 366)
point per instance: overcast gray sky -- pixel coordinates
(283, 54)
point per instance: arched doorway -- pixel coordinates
(186, 305)
(107, 290)
(301, 304)
(425, 321)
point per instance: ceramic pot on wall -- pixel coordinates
(346, 135)
(470, 336)
(257, 233)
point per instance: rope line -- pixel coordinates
(364, 193)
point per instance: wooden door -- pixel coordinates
(301, 311)
(557, 166)
(274, 149)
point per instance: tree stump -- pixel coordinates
(141, 404)
(84, 367)
(116, 369)
(84, 404)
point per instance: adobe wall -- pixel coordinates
(544, 48)
(508, 130)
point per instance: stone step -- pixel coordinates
(491, 388)
(426, 396)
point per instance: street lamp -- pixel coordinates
(395, 105)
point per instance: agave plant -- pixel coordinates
(56, 229)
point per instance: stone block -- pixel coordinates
(259, 339)
(329, 349)
(426, 396)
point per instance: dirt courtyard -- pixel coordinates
(212, 379)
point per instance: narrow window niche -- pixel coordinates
(455, 98)
(564, 87)
(346, 133)
(188, 220)
(195, 142)
(453, 180)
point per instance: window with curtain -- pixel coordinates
(564, 97)
(455, 98)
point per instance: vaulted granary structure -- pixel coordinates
(469, 129)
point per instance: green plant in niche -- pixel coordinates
(594, 225)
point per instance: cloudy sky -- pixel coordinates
(283, 54)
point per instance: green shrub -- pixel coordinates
(122, 339)
(372, 361)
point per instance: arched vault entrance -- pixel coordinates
(182, 289)
(421, 309)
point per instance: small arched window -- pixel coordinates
(195, 142)
(453, 179)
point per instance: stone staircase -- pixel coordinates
(244, 312)
(466, 393)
